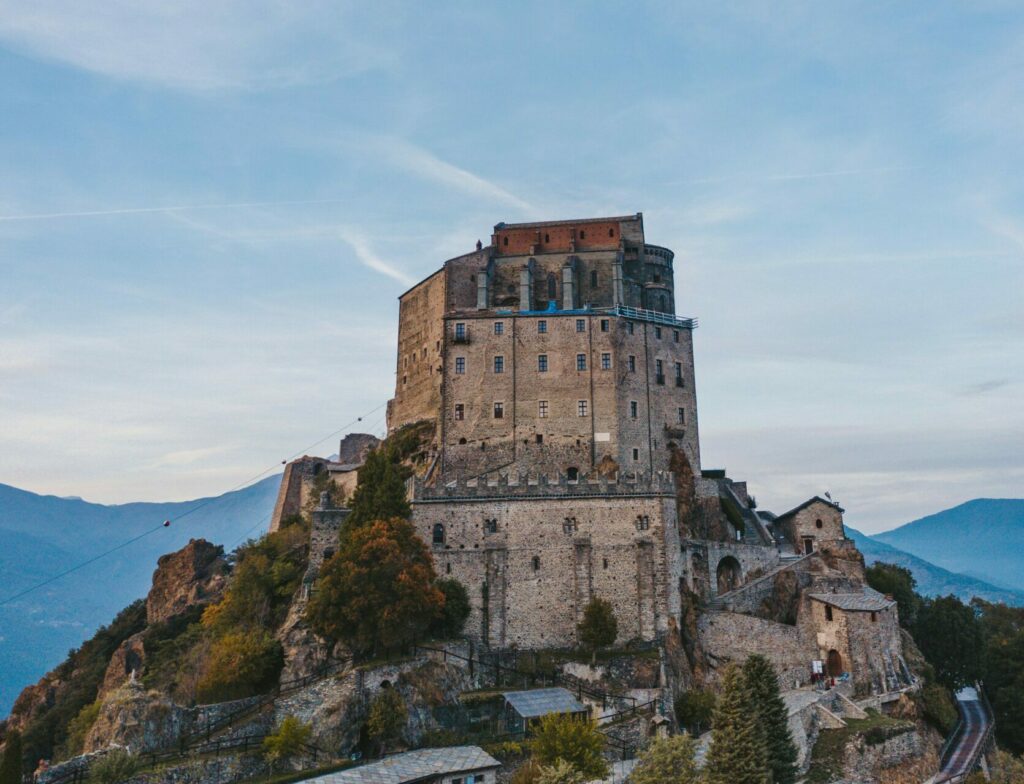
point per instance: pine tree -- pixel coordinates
(380, 494)
(737, 754)
(598, 627)
(773, 717)
(667, 761)
(10, 766)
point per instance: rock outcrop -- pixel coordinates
(137, 719)
(130, 657)
(193, 575)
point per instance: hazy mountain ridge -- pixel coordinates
(980, 537)
(41, 535)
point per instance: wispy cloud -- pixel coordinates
(168, 209)
(369, 259)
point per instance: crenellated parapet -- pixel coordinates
(635, 485)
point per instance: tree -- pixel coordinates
(737, 754)
(287, 740)
(113, 767)
(77, 730)
(449, 623)
(950, 637)
(577, 741)
(387, 718)
(1006, 769)
(773, 717)
(899, 583)
(378, 590)
(561, 772)
(598, 627)
(380, 493)
(10, 765)
(694, 710)
(1003, 629)
(240, 664)
(667, 761)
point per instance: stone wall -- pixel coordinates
(731, 637)
(817, 520)
(869, 644)
(420, 351)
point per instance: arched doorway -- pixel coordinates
(729, 574)
(835, 663)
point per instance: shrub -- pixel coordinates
(78, 728)
(560, 773)
(114, 767)
(598, 628)
(667, 760)
(10, 764)
(387, 718)
(694, 710)
(240, 664)
(287, 740)
(456, 609)
(577, 741)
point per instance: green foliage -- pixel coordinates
(577, 741)
(240, 664)
(527, 773)
(78, 728)
(950, 637)
(449, 623)
(1006, 768)
(1003, 630)
(773, 717)
(287, 740)
(828, 755)
(387, 718)
(380, 493)
(81, 673)
(737, 754)
(113, 767)
(667, 761)
(378, 590)
(937, 706)
(322, 483)
(561, 772)
(598, 627)
(694, 710)
(10, 764)
(899, 583)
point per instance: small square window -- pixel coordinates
(606, 362)
(581, 325)
(499, 327)
(499, 410)
(605, 324)
(542, 363)
(499, 364)
(657, 332)
(539, 438)
(460, 366)
(632, 364)
(581, 408)
(542, 326)
(460, 411)
(633, 409)
(542, 409)
(581, 361)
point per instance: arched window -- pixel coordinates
(552, 286)
(506, 241)
(728, 574)
(438, 533)
(462, 440)
(572, 473)
(818, 523)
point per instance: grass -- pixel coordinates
(827, 756)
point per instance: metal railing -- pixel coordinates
(653, 316)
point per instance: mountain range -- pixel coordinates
(41, 536)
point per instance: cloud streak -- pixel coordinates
(368, 258)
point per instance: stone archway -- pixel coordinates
(834, 664)
(728, 575)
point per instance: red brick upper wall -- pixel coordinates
(520, 239)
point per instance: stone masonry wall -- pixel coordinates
(730, 637)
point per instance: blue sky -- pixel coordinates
(207, 211)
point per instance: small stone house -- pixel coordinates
(451, 765)
(812, 523)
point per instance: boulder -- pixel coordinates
(191, 576)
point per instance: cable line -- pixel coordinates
(167, 523)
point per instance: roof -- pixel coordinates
(412, 766)
(540, 702)
(868, 600)
(807, 503)
(570, 222)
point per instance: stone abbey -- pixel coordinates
(558, 382)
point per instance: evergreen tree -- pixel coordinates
(380, 493)
(737, 754)
(667, 761)
(899, 583)
(598, 628)
(10, 765)
(577, 741)
(950, 637)
(773, 717)
(449, 623)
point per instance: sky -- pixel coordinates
(208, 210)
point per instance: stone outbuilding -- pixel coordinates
(811, 524)
(451, 765)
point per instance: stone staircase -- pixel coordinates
(721, 603)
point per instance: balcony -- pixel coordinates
(461, 336)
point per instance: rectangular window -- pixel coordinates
(659, 371)
(542, 326)
(499, 364)
(581, 361)
(679, 369)
(681, 416)
(460, 366)
(657, 332)
(460, 411)
(629, 327)
(499, 327)
(581, 325)
(539, 438)
(675, 335)
(632, 364)
(633, 409)
(581, 408)
(606, 362)
(499, 410)
(542, 409)
(542, 363)
(605, 324)
(593, 279)
(460, 330)
(636, 453)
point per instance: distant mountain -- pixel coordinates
(933, 580)
(41, 536)
(983, 538)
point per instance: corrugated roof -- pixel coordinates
(540, 702)
(412, 766)
(868, 600)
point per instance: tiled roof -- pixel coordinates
(868, 600)
(540, 702)
(413, 766)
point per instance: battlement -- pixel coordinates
(635, 485)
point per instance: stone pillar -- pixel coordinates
(568, 288)
(482, 283)
(526, 286)
(617, 291)
(583, 573)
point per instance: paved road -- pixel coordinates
(972, 736)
